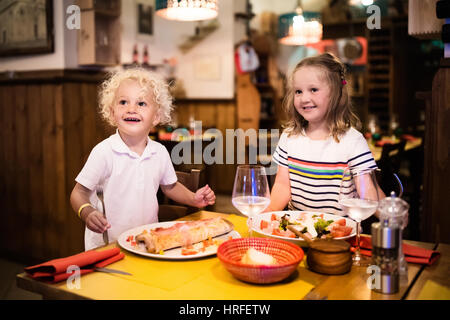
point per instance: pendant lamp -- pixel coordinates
(187, 10)
(300, 27)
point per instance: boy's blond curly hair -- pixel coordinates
(149, 81)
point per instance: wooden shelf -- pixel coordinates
(99, 36)
(103, 7)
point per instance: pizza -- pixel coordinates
(183, 234)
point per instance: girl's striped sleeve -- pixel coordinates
(280, 156)
(361, 158)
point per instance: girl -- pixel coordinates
(128, 166)
(320, 139)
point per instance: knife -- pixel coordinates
(108, 270)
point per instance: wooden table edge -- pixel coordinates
(47, 290)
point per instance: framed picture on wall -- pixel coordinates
(26, 27)
(144, 18)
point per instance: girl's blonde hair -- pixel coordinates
(340, 116)
(149, 81)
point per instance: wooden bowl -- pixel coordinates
(328, 256)
(288, 256)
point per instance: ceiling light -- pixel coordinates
(187, 10)
(299, 27)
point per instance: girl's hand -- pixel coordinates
(204, 196)
(96, 222)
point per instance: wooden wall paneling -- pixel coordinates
(180, 113)
(3, 198)
(45, 138)
(36, 241)
(437, 160)
(225, 172)
(88, 128)
(102, 129)
(226, 114)
(219, 123)
(21, 210)
(73, 153)
(207, 113)
(61, 193)
(9, 168)
(53, 224)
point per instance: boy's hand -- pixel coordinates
(96, 222)
(204, 196)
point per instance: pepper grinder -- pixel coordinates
(395, 211)
(385, 247)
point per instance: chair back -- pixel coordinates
(391, 156)
(170, 210)
(189, 179)
(390, 162)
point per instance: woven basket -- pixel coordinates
(287, 254)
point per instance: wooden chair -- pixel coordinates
(170, 210)
(390, 163)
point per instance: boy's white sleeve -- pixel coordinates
(360, 156)
(168, 175)
(94, 169)
(280, 156)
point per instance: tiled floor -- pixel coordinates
(9, 269)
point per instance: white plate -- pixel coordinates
(295, 214)
(172, 254)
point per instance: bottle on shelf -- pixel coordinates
(135, 55)
(145, 59)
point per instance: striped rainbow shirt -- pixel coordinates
(316, 168)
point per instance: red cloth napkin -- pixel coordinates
(383, 142)
(412, 253)
(409, 137)
(56, 270)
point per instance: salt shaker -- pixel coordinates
(385, 246)
(395, 210)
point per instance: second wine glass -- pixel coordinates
(358, 198)
(251, 194)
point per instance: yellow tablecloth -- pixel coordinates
(204, 278)
(434, 291)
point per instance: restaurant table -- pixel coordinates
(207, 279)
(410, 144)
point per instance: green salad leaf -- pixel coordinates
(321, 226)
(284, 222)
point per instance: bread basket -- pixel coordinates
(288, 257)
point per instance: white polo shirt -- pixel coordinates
(129, 183)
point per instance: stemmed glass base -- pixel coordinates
(358, 259)
(250, 226)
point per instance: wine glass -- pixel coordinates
(358, 197)
(251, 194)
